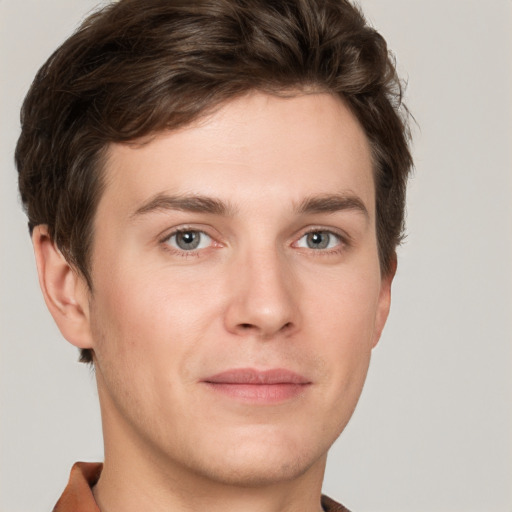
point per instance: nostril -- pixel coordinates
(286, 326)
(248, 326)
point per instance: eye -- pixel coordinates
(319, 240)
(189, 240)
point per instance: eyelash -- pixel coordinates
(342, 245)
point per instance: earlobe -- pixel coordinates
(65, 291)
(384, 301)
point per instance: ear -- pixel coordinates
(384, 301)
(65, 292)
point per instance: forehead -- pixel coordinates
(257, 147)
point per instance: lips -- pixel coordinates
(266, 387)
(256, 377)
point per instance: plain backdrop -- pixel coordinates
(433, 430)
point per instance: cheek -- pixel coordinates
(152, 317)
(345, 306)
(140, 340)
(347, 309)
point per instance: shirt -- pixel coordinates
(78, 497)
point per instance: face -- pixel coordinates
(237, 293)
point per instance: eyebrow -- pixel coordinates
(326, 203)
(332, 203)
(186, 203)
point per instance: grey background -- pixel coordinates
(433, 430)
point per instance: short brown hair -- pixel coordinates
(137, 67)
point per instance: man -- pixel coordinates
(215, 192)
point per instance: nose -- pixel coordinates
(264, 296)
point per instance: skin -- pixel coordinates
(254, 294)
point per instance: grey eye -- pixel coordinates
(189, 240)
(319, 240)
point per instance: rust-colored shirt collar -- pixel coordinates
(78, 497)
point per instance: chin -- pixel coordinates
(261, 462)
(257, 473)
